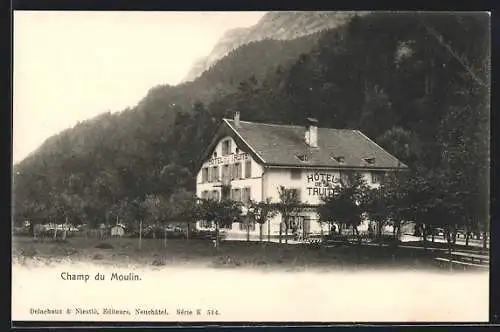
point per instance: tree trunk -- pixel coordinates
(55, 232)
(248, 232)
(140, 235)
(448, 237)
(467, 233)
(340, 228)
(165, 239)
(485, 240)
(424, 234)
(432, 234)
(269, 231)
(379, 233)
(281, 231)
(260, 232)
(187, 231)
(358, 242)
(65, 234)
(286, 231)
(217, 235)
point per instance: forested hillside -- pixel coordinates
(418, 85)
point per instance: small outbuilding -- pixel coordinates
(118, 231)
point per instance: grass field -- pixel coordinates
(126, 252)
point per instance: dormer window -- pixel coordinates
(370, 161)
(215, 155)
(339, 159)
(302, 157)
(237, 150)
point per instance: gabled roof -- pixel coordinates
(284, 145)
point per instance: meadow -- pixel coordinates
(230, 254)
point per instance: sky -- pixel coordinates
(72, 66)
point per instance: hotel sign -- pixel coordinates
(229, 159)
(320, 184)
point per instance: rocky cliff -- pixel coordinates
(274, 25)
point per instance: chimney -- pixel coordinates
(237, 119)
(311, 135)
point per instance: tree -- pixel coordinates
(289, 205)
(395, 196)
(141, 212)
(262, 212)
(221, 213)
(346, 203)
(66, 207)
(183, 207)
(376, 209)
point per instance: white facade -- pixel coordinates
(258, 182)
(117, 231)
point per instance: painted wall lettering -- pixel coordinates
(320, 184)
(228, 159)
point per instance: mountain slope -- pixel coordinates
(134, 146)
(273, 25)
(382, 74)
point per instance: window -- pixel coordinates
(248, 169)
(215, 174)
(376, 177)
(205, 224)
(296, 223)
(236, 194)
(346, 177)
(232, 172)
(204, 175)
(226, 147)
(245, 195)
(296, 174)
(230, 226)
(210, 175)
(238, 172)
(225, 172)
(225, 192)
(215, 195)
(294, 191)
